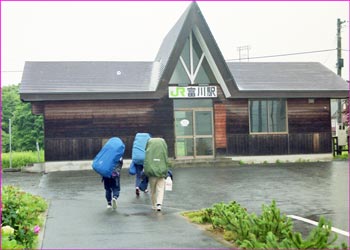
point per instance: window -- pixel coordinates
(268, 116)
(192, 66)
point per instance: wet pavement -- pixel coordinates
(78, 217)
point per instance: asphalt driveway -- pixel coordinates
(78, 217)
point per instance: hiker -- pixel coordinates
(112, 185)
(140, 178)
(138, 156)
(108, 163)
(156, 166)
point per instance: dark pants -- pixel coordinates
(112, 187)
(139, 169)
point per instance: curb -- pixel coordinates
(42, 231)
(11, 170)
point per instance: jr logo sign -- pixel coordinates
(193, 92)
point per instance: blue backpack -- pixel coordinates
(139, 148)
(108, 157)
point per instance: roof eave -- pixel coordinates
(30, 97)
(334, 94)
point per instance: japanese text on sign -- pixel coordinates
(193, 92)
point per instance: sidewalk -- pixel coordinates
(78, 217)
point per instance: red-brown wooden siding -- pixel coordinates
(220, 125)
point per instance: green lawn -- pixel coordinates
(22, 159)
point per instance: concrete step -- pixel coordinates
(218, 162)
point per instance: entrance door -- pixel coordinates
(194, 132)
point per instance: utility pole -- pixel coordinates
(243, 48)
(10, 133)
(340, 63)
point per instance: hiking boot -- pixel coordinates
(159, 207)
(114, 202)
(137, 191)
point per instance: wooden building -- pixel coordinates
(200, 104)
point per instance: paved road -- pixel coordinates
(78, 218)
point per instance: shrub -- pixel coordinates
(7, 238)
(21, 211)
(21, 159)
(269, 230)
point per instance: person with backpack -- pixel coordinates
(112, 185)
(108, 163)
(156, 166)
(138, 156)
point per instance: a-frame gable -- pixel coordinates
(192, 23)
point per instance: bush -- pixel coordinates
(21, 211)
(269, 230)
(7, 238)
(21, 159)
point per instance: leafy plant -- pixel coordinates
(270, 229)
(21, 211)
(7, 238)
(196, 216)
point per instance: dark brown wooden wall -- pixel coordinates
(76, 130)
(304, 117)
(309, 126)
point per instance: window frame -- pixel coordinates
(267, 112)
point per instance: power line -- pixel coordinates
(289, 54)
(237, 59)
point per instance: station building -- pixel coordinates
(203, 106)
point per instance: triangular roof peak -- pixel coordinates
(168, 55)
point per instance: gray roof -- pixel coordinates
(285, 76)
(148, 80)
(64, 77)
(88, 80)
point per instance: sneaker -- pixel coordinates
(159, 207)
(109, 205)
(114, 202)
(146, 191)
(137, 191)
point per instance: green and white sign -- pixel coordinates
(193, 92)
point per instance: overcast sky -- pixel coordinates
(133, 31)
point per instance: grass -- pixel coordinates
(343, 156)
(22, 159)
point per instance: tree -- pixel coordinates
(26, 127)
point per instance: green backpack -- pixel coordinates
(156, 159)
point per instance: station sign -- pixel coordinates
(193, 92)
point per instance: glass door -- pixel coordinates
(194, 133)
(184, 133)
(203, 133)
